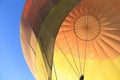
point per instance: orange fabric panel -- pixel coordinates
(91, 29)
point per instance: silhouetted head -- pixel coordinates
(81, 77)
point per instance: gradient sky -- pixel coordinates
(12, 63)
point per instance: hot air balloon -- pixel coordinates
(72, 39)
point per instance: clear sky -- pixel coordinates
(12, 63)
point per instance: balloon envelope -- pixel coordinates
(71, 40)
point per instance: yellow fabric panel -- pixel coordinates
(28, 55)
(117, 62)
(43, 71)
(63, 69)
(110, 69)
(95, 69)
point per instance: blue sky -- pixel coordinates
(12, 63)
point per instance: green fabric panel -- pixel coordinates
(51, 25)
(57, 16)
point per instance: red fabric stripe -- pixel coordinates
(27, 7)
